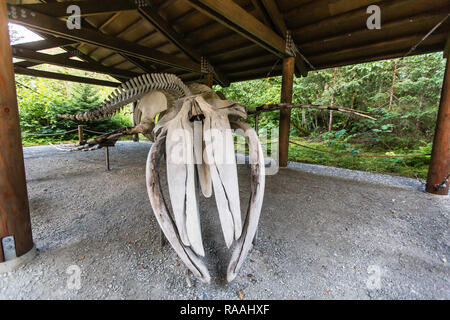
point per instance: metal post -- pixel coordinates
(107, 158)
(440, 155)
(16, 245)
(285, 113)
(136, 135)
(209, 79)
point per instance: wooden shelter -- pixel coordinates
(217, 41)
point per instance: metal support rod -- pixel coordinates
(80, 134)
(107, 158)
(209, 79)
(285, 113)
(15, 220)
(133, 120)
(440, 155)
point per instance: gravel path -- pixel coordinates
(325, 233)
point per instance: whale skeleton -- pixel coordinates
(194, 132)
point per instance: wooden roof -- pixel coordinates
(241, 39)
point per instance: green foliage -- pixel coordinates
(407, 126)
(42, 100)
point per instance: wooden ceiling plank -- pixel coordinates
(378, 48)
(413, 24)
(150, 14)
(396, 54)
(87, 8)
(356, 19)
(54, 26)
(236, 18)
(64, 77)
(262, 13)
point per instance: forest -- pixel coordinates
(403, 94)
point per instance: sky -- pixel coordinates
(28, 36)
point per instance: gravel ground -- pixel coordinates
(325, 233)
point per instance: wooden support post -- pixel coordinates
(133, 120)
(285, 113)
(209, 79)
(440, 155)
(80, 135)
(15, 224)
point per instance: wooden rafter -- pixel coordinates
(278, 22)
(447, 47)
(47, 24)
(239, 20)
(65, 77)
(151, 14)
(63, 61)
(29, 64)
(234, 17)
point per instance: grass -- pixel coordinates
(416, 167)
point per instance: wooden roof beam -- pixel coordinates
(277, 19)
(56, 27)
(371, 58)
(87, 7)
(150, 14)
(239, 20)
(378, 48)
(29, 64)
(64, 77)
(447, 47)
(64, 61)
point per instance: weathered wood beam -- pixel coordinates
(239, 20)
(29, 64)
(56, 27)
(361, 35)
(447, 46)
(87, 8)
(278, 21)
(262, 12)
(64, 77)
(44, 44)
(285, 113)
(275, 15)
(151, 14)
(14, 206)
(64, 61)
(347, 22)
(371, 58)
(378, 48)
(440, 154)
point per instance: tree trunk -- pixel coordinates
(391, 99)
(330, 125)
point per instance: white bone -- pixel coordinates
(244, 244)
